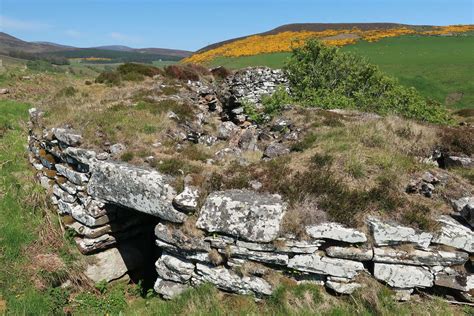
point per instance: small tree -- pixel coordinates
(325, 77)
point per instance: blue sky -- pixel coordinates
(192, 24)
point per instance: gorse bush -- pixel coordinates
(323, 76)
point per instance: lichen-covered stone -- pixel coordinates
(228, 280)
(187, 201)
(453, 279)
(420, 257)
(175, 236)
(169, 289)
(337, 232)
(454, 234)
(114, 263)
(173, 268)
(386, 234)
(403, 276)
(350, 253)
(343, 288)
(67, 136)
(244, 214)
(282, 245)
(260, 256)
(83, 156)
(139, 189)
(75, 177)
(315, 263)
(63, 195)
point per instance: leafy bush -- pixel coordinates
(127, 72)
(325, 77)
(141, 69)
(109, 77)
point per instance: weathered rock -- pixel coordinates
(115, 227)
(187, 201)
(403, 276)
(227, 130)
(419, 257)
(391, 234)
(45, 182)
(114, 263)
(117, 149)
(244, 214)
(327, 266)
(259, 256)
(452, 279)
(350, 253)
(403, 295)
(75, 177)
(66, 136)
(168, 289)
(343, 288)
(275, 150)
(68, 186)
(4, 91)
(465, 207)
(80, 214)
(139, 189)
(65, 208)
(454, 161)
(227, 280)
(283, 246)
(454, 234)
(337, 232)
(63, 195)
(172, 268)
(248, 140)
(82, 155)
(176, 237)
(89, 245)
(191, 255)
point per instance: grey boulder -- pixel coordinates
(243, 214)
(139, 189)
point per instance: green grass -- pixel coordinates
(19, 219)
(436, 66)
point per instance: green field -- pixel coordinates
(441, 68)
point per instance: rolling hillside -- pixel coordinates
(10, 45)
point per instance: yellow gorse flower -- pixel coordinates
(286, 41)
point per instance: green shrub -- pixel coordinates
(127, 156)
(109, 77)
(67, 91)
(134, 69)
(325, 77)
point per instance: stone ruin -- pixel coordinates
(128, 218)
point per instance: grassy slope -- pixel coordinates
(436, 66)
(18, 220)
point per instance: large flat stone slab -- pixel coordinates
(114, 263)
(139, 189)
(325, 265)
(386, 234)
(243, 214)
(420, 257)
(335, 231)
(229, 281)
(403, 276)
(454, 234)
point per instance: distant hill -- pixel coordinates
(11, 45)
(318, 27)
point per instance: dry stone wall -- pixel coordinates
(236, 242)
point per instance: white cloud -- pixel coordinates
(73, 33)
(123, 38)
(11, 24)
